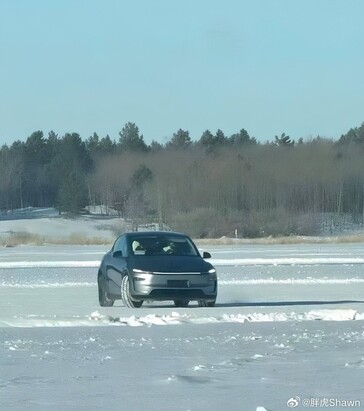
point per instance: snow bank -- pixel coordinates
(287, 261)
(332, 315)
(176, 318)
(293, 281)
(59, 230)
(97, 319)
(48, 284)
(50, 264)
(226, 262)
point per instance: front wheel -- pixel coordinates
(125, 294)
(104, 301)
(206, 303)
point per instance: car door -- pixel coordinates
(116, 265)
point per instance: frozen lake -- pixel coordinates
(288, 323)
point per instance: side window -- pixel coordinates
(120, 244)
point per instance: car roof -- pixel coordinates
(147, 233)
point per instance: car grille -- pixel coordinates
(178, 283)
(165, 294)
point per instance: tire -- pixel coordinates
(206, 303)
(125, 294)
(104, 301)
(181, 303)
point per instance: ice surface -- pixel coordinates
(49, 264)
(278, 331)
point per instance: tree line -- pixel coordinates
(208, 187)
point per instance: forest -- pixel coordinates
(215, 186)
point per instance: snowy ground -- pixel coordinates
(60, 230)
(288, 323)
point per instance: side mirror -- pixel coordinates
(206, 255)
(117, 254)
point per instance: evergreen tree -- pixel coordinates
(72, 194)
(180, 140)
(242, 139)
(130, 139)
(283, 141)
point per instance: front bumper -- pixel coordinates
(173, 286)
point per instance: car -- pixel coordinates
(156, 266)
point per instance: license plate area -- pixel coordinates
(178, 283)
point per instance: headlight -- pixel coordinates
(212, 271)
(140, 275)
(137, 271)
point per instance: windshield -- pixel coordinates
(162, 245)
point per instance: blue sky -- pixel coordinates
(269, 66)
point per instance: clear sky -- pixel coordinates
(269, 66)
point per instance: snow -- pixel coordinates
(215, 262)
(287, 261)
(174, 318)
(50, 264)
(278, 332)
(58, 229)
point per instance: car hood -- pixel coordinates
(170, 264)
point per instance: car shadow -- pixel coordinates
(287, 303)
(263, 303)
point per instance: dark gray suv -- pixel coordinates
(157, 266)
